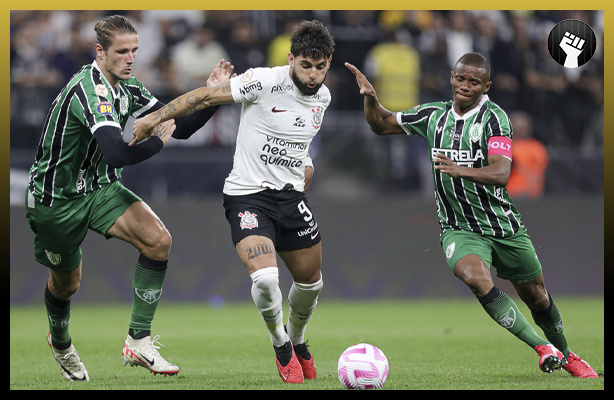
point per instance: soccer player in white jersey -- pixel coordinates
(264, 195)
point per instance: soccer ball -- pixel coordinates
(362, 366)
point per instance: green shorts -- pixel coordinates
(514, 258)
(59, 230)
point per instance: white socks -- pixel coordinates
(302, 299)
(268, 299)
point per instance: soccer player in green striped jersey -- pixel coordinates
(470, 139)
(74, 187)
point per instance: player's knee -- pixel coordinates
(265, 284)
(66, 289)
(479, 282)
(537, 301)
(165, 241)
(158, 245)
(313, 281)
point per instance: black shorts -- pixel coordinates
(282, 216)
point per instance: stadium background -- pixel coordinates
(371, 196)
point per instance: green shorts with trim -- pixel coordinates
(60, 229)
(514, 257)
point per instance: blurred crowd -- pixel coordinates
(408, 55)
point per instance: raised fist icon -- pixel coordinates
(573, 46)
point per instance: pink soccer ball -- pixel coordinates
(362, 366)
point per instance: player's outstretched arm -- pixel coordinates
(188, 103)
(381, 121)
(221, 73)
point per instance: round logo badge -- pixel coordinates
(572, 43)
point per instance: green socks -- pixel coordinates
(504, 311)
(146, 290)
(58, 314)
(551, 323)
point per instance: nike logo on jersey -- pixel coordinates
(275, 110)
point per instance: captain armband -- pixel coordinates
(500, 145)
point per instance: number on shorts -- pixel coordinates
(302, 207)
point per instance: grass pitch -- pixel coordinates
(430, 345)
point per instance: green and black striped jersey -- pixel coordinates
(68, 161)
(462, 204)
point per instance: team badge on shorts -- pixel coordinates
(55, 259)
(248, 220)
(450, 250)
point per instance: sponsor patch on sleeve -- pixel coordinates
(501, 145)
(104, 108)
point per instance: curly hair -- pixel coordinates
(312, 39)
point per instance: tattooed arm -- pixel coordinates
(180, 107)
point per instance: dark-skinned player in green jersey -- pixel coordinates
(470, 140)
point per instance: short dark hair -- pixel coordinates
(476, 60)
(111, 26)
(312, 39)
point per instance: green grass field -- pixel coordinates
(430, 344)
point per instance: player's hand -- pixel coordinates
(445, 165)
(164, 130)
(221, 73)
(142, 129)
(363, 84)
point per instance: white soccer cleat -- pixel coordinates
(144, 352)
(71, 367)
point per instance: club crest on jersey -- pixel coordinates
(104, 108)
(475, 132)
(101, 90)
(123, 105)
(248, 220)
(316, 120)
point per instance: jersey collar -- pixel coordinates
(104, 79)
(473, 111)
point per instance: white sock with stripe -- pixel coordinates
(303, 299)
(268, 300)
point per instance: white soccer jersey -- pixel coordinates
(277, 125)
